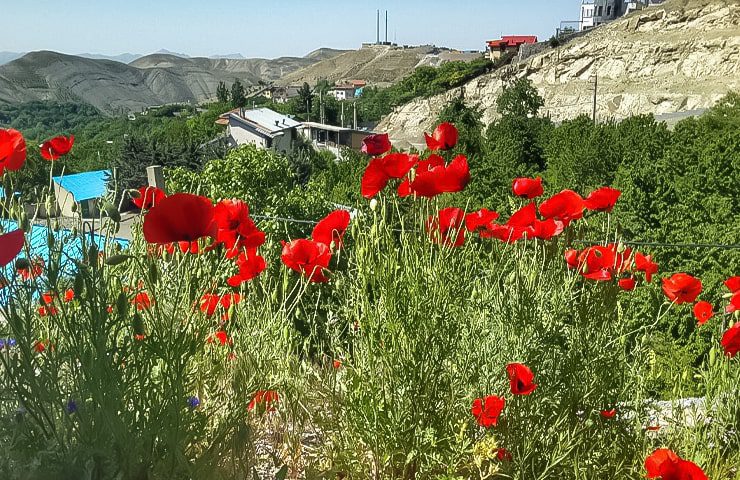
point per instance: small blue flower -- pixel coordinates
(12, 342)
(2, 344)
(193, 402)
(71, 406)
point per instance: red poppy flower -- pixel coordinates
(57, 147)
(209, 302)
(652, 428)
(308, 258)
(447, 227)
(565, 206)
(34, 270)
(11, 245)
(332, 228)
(337, 364)
(547, 229)
(521, 379)
(148, 197)
(12, 150)
(69, 295)
(47, 308)
(731, 340)
(602, 200)
(644, 263)
(608, 414)
(181, 217)
(381, 170)
(481, 219)
(734, 305)
(598, 262)
(142, 301)
(571, 257)
(40, 346)
(733, 284)
(521, 223)
(503, 455)
(627, 284)
(250, 266)
(264, 399)
(189, 247)
(222, 338)
(682, 288)
(703, 312)
(236, 230)
(435, 178)
(444, 137)
(376, 144)
(487, 410)
(528, 187)
(666, 465)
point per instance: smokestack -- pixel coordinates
(386, 26)
(378, 42)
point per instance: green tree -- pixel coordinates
(467, 119)
(305, 96)
(520, 99)
(222, 93)
(238, 97)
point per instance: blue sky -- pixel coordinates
(266, 28)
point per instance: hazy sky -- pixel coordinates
(266, 28)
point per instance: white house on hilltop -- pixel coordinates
(599, 12)
(262, 127)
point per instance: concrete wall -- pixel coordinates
(243, 136)
(65, 201)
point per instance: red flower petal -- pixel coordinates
(11, 245)
(374, 179)
(682, 288)
(480, 219)
(521, 379)
(733, 284)
(57, 147)
(703, 312)
(332, 228)
(182, 217)
(528, 187)
(12, 150)
(731, 340)
(565, 206)
(602, 200)
(444, 137)
(376, 144)
(308, 258)
(487, 410)
(148, 197)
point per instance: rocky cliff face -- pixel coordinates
(684, 55)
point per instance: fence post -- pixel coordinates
(155, 176)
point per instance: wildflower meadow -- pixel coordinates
(400, 338)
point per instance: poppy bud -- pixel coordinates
(111, 211)
(92, 256)
(74, 207)
(153, 273)
(712, 356)
(138, 325)
(50, 240)
(25, 223)
(79, 284)
(22, 264)
(373, 204)
(116, 260)
(122, 304)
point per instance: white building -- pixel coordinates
(262, 127)
(598, 12)
(640, 4)
(343, 92)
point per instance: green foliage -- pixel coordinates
(238, 95)
(222, 93)
(42, 120)
(519, 99)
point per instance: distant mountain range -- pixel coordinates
(116, 87)
(7, 57)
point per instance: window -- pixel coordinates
(609, 11)
(600, 11)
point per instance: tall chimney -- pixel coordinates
(386, 26)
(378, 42)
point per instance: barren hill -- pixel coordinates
(377, 64)
(680, 56)
(152, 80)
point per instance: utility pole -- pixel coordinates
(343, 124)
(596, 86)
(354, 104)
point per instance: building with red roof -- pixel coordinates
(507, 44)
